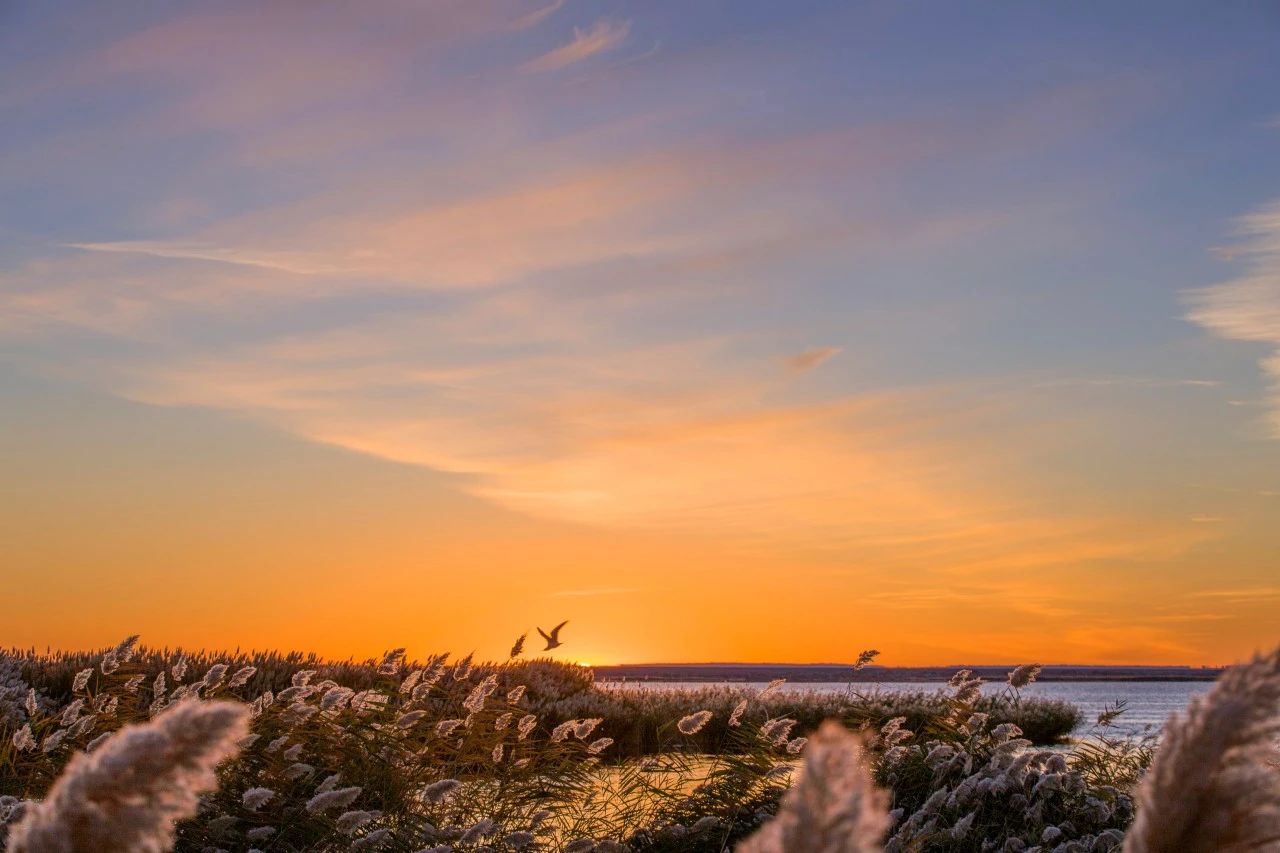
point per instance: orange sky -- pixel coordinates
(763, 337)
(208, 531)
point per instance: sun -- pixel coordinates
(585, 663)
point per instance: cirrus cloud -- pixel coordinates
(601, 37)
(1247, 307)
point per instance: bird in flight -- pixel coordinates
(553, 639)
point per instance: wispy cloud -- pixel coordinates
(1247, 307)
(537, 16)
(587, 332)
(588, 436)
(805, 361)
(604, 209)
(601, 37)
(187, 252)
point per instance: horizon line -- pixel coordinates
(921, 666)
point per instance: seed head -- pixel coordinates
(833, 808)
(584, 728)
(777, 730)
(1214, 785)
(242, 676)
(23, 739)
(129, 793)
(693, 723)
(255, 798)
(865, 658)
(349, 822)
(338, 798)
(474, 703)
(437, 791)
(1021, 676)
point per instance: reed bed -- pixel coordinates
(634, 716)
(242, 752)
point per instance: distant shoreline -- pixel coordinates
(813, 673)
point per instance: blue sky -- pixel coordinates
(852, 288)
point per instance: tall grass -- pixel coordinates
(422, 754)
(447, 755)
(633, 715)
(557, 691)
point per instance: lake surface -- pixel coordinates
(1149, 702)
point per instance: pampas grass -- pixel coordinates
(400, 755)
(1215, 781)
(633, 715)
(693, 723)
(128, 794)
(428, 750)
(834, 807)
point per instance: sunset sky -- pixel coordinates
(726, 330)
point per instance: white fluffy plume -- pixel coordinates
(1215, 782)
(129, 793)
(834, 807)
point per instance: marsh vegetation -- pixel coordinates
(278, 752)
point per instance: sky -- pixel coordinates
(737, 330)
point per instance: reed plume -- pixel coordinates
(693, 723)
(1215, 781)
(833, 808)
(129, 793)
(1021, 676)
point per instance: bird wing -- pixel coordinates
(544, 635)
(555, 632)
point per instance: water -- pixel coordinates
(1149, 702)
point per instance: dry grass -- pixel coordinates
(446, 755)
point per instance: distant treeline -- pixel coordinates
(801, 673)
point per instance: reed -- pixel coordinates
(199, 751)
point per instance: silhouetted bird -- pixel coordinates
(553, 639)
